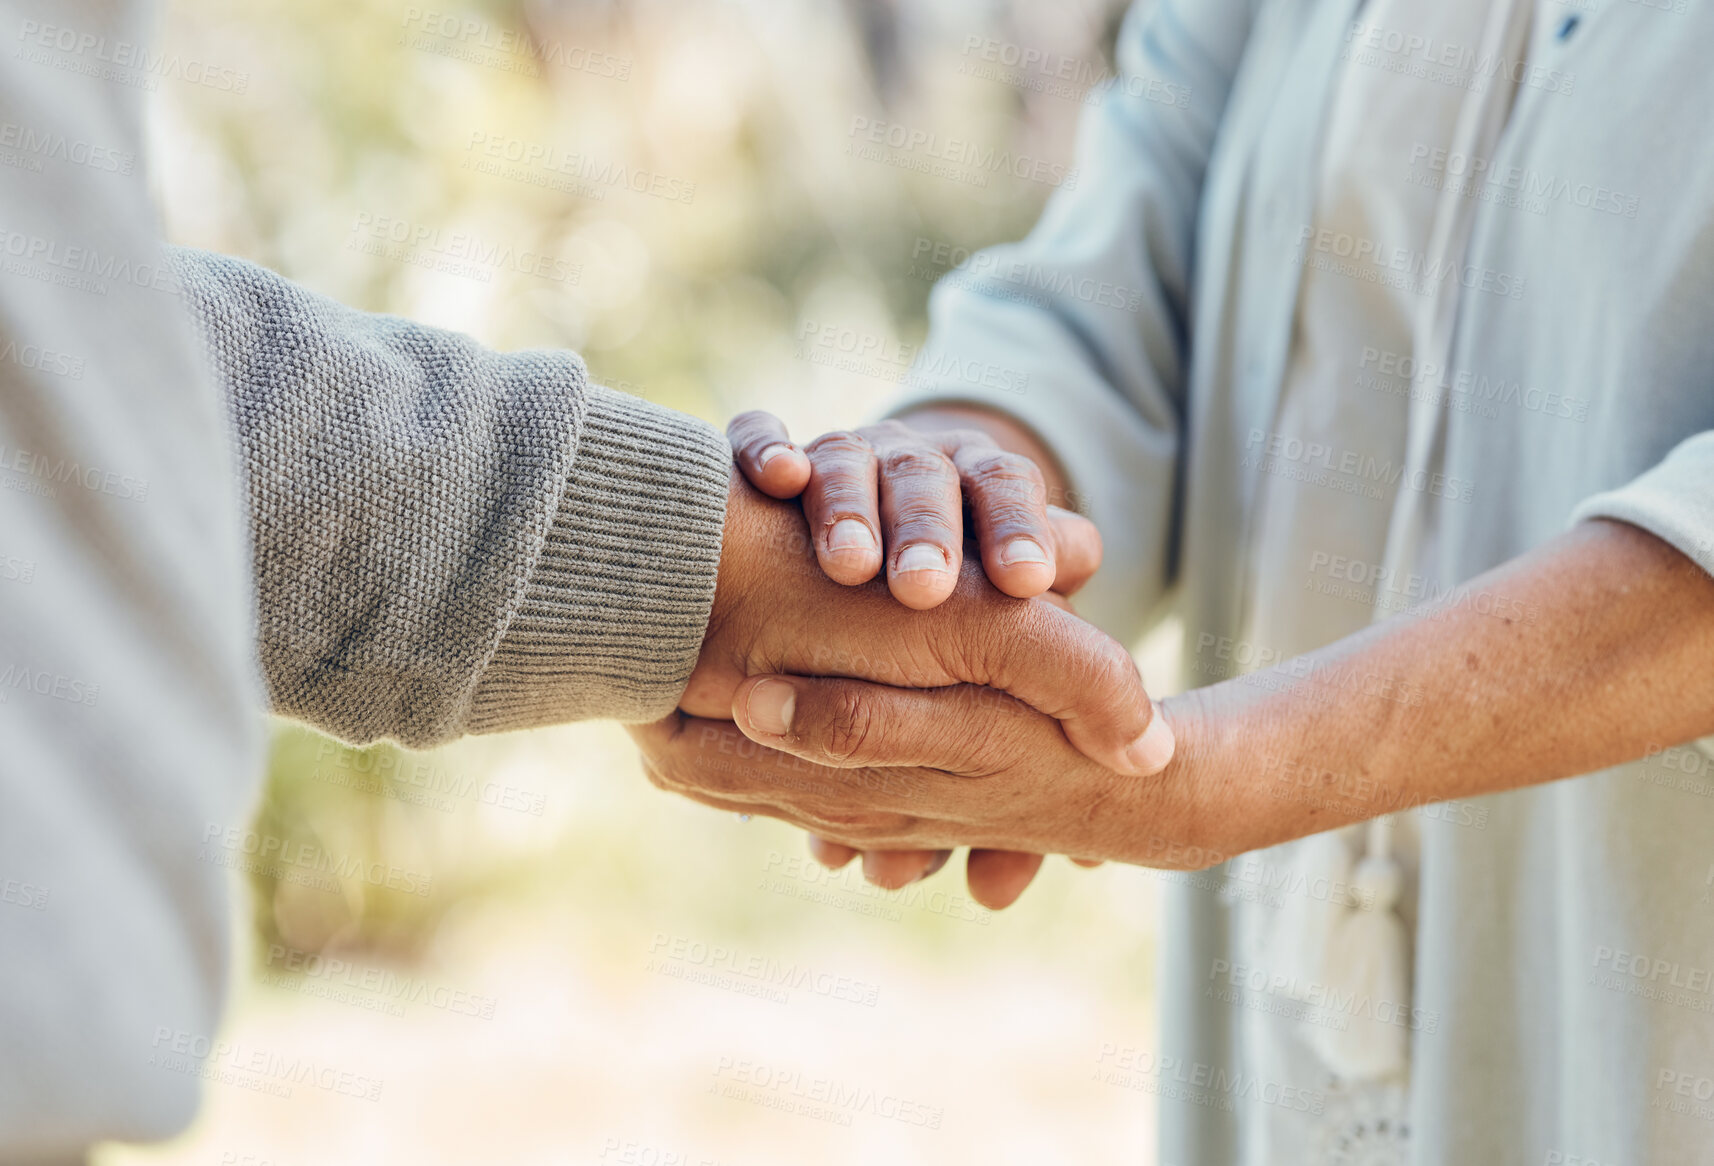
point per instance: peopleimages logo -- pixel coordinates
(957, 158)
(825, 1098)
(311, 858)
(1059, 75)
(50, 471)
(480, 42)
(79, 268)
(541, 164)
(453, 252)
(15, 677)
(1365, 259)
(39, 359)
(249, 1067)
(120, 61)
(1198, 1082)
(1446, 62)
(1347, 470)
(43, 145)
(343, 981)
(992, 273)
(1472, 174)
(717, 966)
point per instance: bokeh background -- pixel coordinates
(517, 950)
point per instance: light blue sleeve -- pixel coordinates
(1081, 330)
(1674, 501)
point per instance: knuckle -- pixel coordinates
(850, 719)
(918, 518)
(1010, 472)
(1111, 667)
(845, 497)
(990, 738)
(750, 420)
(889, 430)
(841, 445)
(1008, 516)
(918, 463)
(1004, 466)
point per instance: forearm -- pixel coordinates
(448, 539)
(1578, 656)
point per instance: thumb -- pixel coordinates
(764, 451)
(1053, 661)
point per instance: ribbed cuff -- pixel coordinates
(613, 616)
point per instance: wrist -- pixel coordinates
(1219, 797)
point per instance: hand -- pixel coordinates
(775, 611)
(996, 877)
(900, 488)
(877, 768)
(1001, 486)
(911, 474)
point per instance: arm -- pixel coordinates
(1446, 702)
(451, 540)
(1452, 702)
(447, 539)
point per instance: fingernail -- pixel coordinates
(769, 454)
(1150, 753)
(850, 535)
(871, 866)
(1022, 550)
(921, 557)
(770, 706)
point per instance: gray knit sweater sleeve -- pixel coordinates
(450, 540)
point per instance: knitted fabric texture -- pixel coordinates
(450, 540)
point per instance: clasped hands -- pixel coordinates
(952, 702)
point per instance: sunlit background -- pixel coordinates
(515, 950)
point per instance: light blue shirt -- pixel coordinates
(1564, 942)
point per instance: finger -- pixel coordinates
(892, 869)
(922, 521)
(853, 724)
(1086, 680)
(841, 505)
(1087, 863)
(830, 854)
(711, 762)
(1077, 548)
(764, 451)
(674, 766)
(998, 877)
(1008, 508)
(1057, 600)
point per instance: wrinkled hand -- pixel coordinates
(775, 611)
(877, 768)
(898, 492)
(902, 487)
